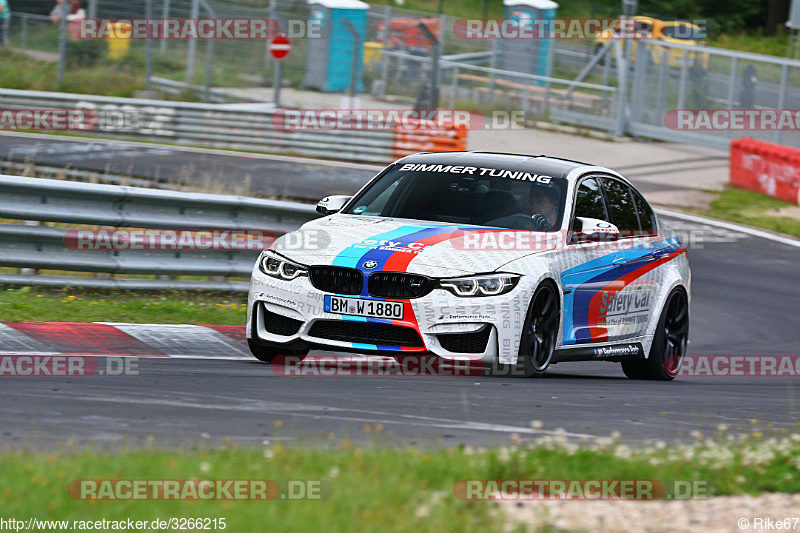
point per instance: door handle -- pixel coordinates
(618, 261)
(657, 254)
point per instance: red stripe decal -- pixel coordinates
(84, 338)
(398, 261)
(601, 334)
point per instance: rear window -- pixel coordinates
(683, 32)
(621, 207)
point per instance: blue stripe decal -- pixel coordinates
(359, 346)
(598, 273)
(390, 348)
(354, 318)
(371, 320)
(350, 256)
(400, 238)
(376, 347)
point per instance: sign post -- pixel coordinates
(279, 48)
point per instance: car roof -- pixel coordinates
(537, 164)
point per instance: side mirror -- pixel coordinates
(593, 230)
(332, 204)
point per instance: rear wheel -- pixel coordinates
(669, 342)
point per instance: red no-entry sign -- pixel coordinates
(280, 47)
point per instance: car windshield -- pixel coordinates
(493, 197)
(684, 32)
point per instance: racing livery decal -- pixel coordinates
(448, 253)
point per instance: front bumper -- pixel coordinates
(288, 312)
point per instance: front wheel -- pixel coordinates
(539, 334)
(669, 342)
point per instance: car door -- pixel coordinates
(629, 290)
(589, 263)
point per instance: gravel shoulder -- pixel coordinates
(725, 514)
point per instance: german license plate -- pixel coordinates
(360, 307)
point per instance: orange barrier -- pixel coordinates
(448, 138)
(767, 168)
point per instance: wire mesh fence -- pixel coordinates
(586, 82)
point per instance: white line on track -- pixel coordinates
(730, 226)
(319, 412)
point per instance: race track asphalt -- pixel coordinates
(745, 302)
(746, 299)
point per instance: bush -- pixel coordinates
(85, 53)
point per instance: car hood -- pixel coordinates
(402, 245)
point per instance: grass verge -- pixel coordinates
(753, 209)
(23, 72)
(384, 488)
(32, 304)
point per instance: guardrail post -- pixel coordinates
(190, 54)
(732, 88)
(148, 49)
(209, 68)
(385, 59)
(62, 50)
(782, 98)
(606, 79)
(354, 62)
(29, 271)
(23, 38)
(526, 96)
(437, 53)
(442, 32)
(162, 46)
(622, 67)
(277, 79)
(492, 65)
(662, 74)
(453, 86)
(683, 80)
(638, 86)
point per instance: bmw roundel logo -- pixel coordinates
(369, 265)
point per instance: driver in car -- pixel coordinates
(544, 203)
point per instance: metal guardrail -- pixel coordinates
(210, 125)
(28, 246)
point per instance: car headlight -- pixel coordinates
(482, 285)
(276, 266)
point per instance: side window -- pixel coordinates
(646, 219)
(621, 207)
(589, 201)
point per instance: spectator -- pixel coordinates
(76, 11)
(5, 21)
(59, 10)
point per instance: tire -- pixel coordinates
(539, 332)
(267, 353)
(669, 342)
(603, 59)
